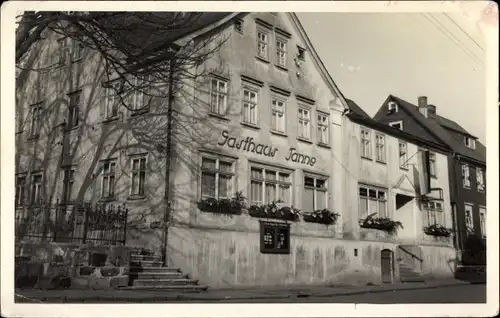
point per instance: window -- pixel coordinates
(278, 115)
(112, 99)
(470, 143)
(268, 185)
(397, 125)
(274, 238)
(466, 176)
(281, 52)
(36, 112)
(76, 50)
(301, 53)
(262, 44)
(68, 181)
(432, 164)
(140, 97)
(480, 179)
(250, 109)
(20, 190)
(393, 107)
(216, 178)
(238, 26)
(218, 96)
(36, 188)
(323, 131)
(469, 221)
(366, 143)
(403, 155)
(372, 200)
(73, 110)
(63, 51)
(434, 212)
(315, 194)
(108, 180)
(380, 147)
(304, 123)
(482, 219)
(138, 176)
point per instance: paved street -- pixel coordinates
(456, 294)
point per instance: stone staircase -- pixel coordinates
(407, 274)
(148, 273)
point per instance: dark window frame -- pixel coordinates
(276, 229)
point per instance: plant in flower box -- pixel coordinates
(437, 230)
(381, 223)
(208, 204)
(323, 216)
(274, 210)
(223, 205)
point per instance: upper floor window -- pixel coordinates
(112, 99)
(76, 50)
(250, 108)
(20, 189)
(403, 155)
(434, 210)
(380, 147)
(470, 142)
(268, 184)
(218, 96)
(36, 188)
(469, 220)
(371, 201)
(482, 219)
(397, 125)
(238, 26)
(278, 115)
(73, 109)
(323, 129)
(315, 194)
(366, 143)
(480, 179)
(262, 44)
(138, 176)
(140, 96)
(216, 177)
(281, 52)
(108, 179)
(392, 107)
(432, 164)
(36, 114)
(68, 181)
(304, 123)
(466, 176)
(301, 53)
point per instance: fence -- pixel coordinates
(81, 223)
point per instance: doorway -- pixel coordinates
(387, 265)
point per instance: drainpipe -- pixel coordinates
(458, 232)
(168, 155)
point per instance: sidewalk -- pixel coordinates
(79, 296)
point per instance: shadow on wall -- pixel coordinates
(472, 267)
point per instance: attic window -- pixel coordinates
(397, 125)
(238, 26)
(393, 107)
(470, 143)
(301, 53)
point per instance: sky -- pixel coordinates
(438, 55)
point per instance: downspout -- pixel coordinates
(168, 154)
(458, 236)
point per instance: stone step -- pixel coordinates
(137, 257)
(146, 263)
(164, 282)
(152, 269)
(160, 275)
(173, 288)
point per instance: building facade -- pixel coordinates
(466, 162)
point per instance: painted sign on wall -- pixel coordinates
(248, 144)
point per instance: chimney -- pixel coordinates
(431, 109)
(422, 105)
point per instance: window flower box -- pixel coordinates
(223, 205)
(437, 230)
(274, 210)
(323, 216)
(381, 223)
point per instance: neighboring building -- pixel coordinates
(386, 174)
(466, 160)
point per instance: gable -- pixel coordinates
(404, 185)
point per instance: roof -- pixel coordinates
(442, 129)
(356, 109)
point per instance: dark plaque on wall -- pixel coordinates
(274, 238)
